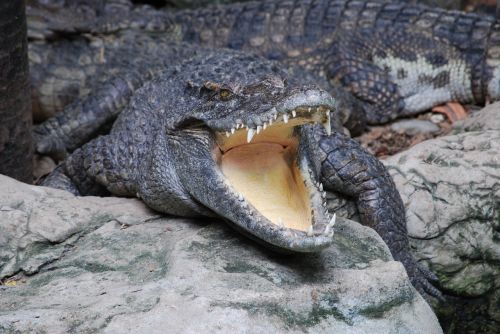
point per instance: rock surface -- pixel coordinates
(451, 189)
(71, 264)
(81, 265)
(414, 127)
(485, 119)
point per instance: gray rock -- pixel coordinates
(74, 265)
(451, 189)
(413, 127)
(485, 119)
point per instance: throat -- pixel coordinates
(267, 176)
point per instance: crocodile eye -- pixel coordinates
(225, 94)
(210, 85)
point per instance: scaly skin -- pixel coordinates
(399, 59)
(161, 149)
(51, 19)
(105, 66)
(344, 168)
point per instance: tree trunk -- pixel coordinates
(16, 148)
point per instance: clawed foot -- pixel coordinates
(57, 179)
(422, 279)
(452, 110)
(48, 145)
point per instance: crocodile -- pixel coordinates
(370, 48)
(232, 135)
(48, 19)
(400, 59)
(397, 58)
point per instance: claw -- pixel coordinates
(428, 274)
(454, 111)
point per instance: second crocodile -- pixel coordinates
(398, 58)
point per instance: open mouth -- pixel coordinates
(264, 168)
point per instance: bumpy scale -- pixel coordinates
(398, 58)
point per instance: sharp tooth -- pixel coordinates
(328, 125)
(323, 194)
(321, 186)
(270, 122)
(310, 231)
(240, 197)
(227, 134)
(275, 116)
(309, 109)
(250, 134)
(294, 113)
(332, 221)
(327, 229)
(237, 126)
(259, 129)
(265, 125)
(285, 118)
(233, 130)
(324, 204)
(330, 225)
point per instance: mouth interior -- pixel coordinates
(267, 176)
(265, 171)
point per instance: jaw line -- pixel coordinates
(310, 99)
(244, 217)
(247, 219)
(240, 214)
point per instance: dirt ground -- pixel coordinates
(382, 141)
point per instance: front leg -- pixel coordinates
(123, 164)
(102, 166)
(347, 168)
(84, 118)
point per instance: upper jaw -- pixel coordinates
(302, 102)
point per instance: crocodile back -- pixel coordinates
(298, 32)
